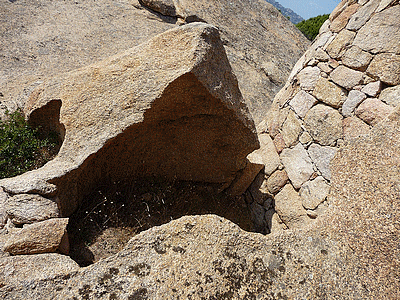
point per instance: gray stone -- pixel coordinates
(291, 129)
(276, 181)
(325, 27)
(381, 33)
(339, 45)
(42, 237)
(30, 208)
(302, 102)
(298, 165)
(391, 95)
(362, 15)
(324, 124)
(386, 67)
(346, 77)
(372, 111)
(314, 192)
(289, 207)
(322, 157)
(308, 78)
(24, 268)
(353, 127)
(372, 89)
(329, 93)
(356, 58)
(353, 100)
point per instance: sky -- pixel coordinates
(310, 8)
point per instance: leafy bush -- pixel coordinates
(22, 148)
(310, 27)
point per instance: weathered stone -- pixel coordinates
(353, 127)
(308, 78)
(298, 165)
(279, 143)
(164, 7)
(314, 192)
(385, 67)
(305, 138)
(341, 20)
(177, 112)
(258, 190)
(54, 42)
(325, 27)
(346, 77)
(42, 237)
(356, 58)
(3, 209)
(289, 207)
(268, 154)
(381, 33)
(329, 93)
(25, 268)
(302, 102)
(372, 111)
(276, 181)
(30, 208)
(333, 63)
(384, 4)
(362, 15)
(325, 67)
(324, 124)
(276, 118)
(372, 89)
(291, 129)
(322, 157)
(391, 95)
(338, 10)
(322, 41)
(244, 179)
(321, 55)
(353, 100)
(339, 45)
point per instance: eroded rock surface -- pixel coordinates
(43, 39)
(169, 108)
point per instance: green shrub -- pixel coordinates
(22, 148)
(310, 27)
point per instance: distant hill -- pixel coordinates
(287, 12)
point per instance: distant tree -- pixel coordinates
(310, 27)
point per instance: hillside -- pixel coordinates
(287, 12)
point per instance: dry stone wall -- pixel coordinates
(346, 83)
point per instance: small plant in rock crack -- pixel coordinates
(23, 148)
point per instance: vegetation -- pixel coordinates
(22, 148)
(310, 27)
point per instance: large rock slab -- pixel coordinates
(170, 107)
(24, 268)
(65, 35)
(27, 208)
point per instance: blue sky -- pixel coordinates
(310, 8)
